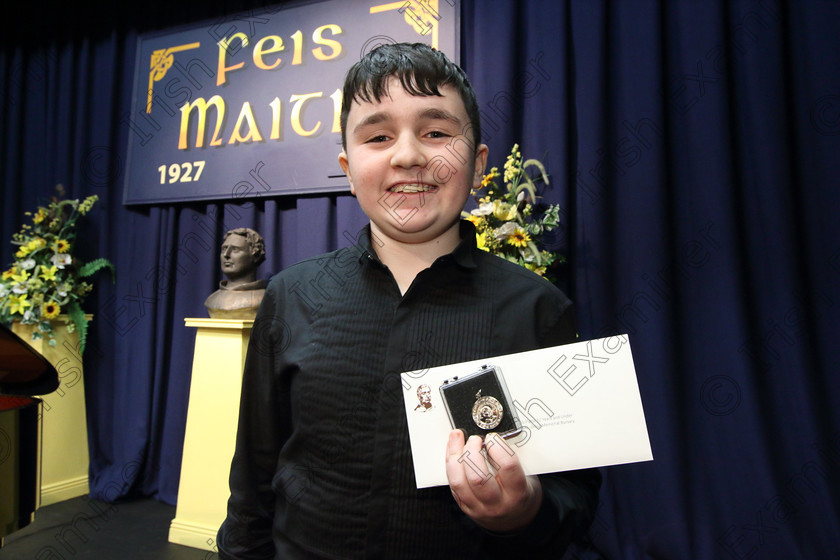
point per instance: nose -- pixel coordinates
(226, 252)
(407, 152)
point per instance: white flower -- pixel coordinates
(19, 288)
(27, 264)
(27, 315)
(61, 260)
(527, 254)
(505, 231)
(4, 290)
(484, 209)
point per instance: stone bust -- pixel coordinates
(239, 297)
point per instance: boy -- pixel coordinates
(323, 466)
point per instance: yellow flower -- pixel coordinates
(9, 273)
(481, 240)
(31, 247)
(504, 211)
(519, 238)
(534, 268)
(477, 221)
(61, 246)
(512, 164)
(489, 177)
(86, 205)
(39, 217)
(49, 273)
(18, 304)
(20, 276)
(50, 310)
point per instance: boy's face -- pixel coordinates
(411, 162)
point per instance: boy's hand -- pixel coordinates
(504, 502)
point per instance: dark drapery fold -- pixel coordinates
(693, 149)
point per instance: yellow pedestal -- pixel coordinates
(64, 444)
(212, 419)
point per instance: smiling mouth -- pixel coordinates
(412, 188)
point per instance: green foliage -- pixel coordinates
(46, 280)
(509, 220)
(74, 310)
(95, 266)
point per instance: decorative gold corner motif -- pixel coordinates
(160, 63)
(421, 15)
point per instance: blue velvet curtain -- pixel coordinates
(694, 149)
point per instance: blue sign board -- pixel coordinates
(249, 106)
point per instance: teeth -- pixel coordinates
(411, 188)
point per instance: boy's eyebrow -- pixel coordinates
(372, 119)
(432, 113)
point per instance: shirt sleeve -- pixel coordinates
(246, 533)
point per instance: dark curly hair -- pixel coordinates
(420, 69)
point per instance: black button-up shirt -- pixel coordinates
(323, 465)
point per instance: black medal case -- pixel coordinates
(478, 403)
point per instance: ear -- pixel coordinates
(345, 166)
(480, 164)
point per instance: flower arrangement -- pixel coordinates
(46, 280)
(509, 222)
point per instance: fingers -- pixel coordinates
(465, 461)
(465, 466)
(454, 449)
(501, 501)
(523, 494)
(474, 464)
(466, 470)
(509, 473)
(471, 480)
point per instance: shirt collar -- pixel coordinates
(462, 255)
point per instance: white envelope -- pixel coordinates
(578, 405)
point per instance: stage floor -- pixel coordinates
(88, 530)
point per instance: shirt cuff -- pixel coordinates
(541, 530)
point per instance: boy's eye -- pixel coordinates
(438, 134)
(379, 138)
